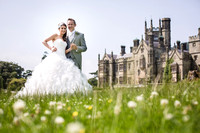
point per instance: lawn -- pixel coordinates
(168, 108)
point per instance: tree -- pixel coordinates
(27, 73)
(167, 75)
(93, 81)
(16, 84)
(9, 70)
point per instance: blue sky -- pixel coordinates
(105, 23)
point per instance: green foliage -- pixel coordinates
(16, 84)
(97, 111)
(93, 81)
(27, 74)
(9, 70)
(167, 75)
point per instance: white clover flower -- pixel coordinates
(59, 107)
(90, 98)
(168, 116)
(100, 100)
(26, 114)
(177, 103)
(186, 118)
(59, 120)
(1, 111)
(140, 98)
(19, 106)
(59, 103)
(52, 103)
(195, 103)
(117, 110)
(16, 120)
(67, 100)
(36, 106)
(75, 127)
(43, 118)
(164, 102)
(89, 116)
(154, 94)
(47, 112)
(173, 97)
(0, 125)
(132, 104)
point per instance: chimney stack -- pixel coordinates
(178, 44)
(123, 50)
(136, 42)
(131, 49)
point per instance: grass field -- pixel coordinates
(166, 108)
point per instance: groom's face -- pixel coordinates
(71, 25)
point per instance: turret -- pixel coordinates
(166, 32)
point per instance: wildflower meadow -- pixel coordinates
(166, 108)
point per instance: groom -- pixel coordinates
(76, 41)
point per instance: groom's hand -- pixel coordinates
(73, 46)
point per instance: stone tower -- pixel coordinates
(166, 32)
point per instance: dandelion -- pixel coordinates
(43, 118)
(75, 127)
(186, 118)
(47, 112)
(177, 103)
(164, 102)
(69, 108)
(75, 114)
(1, 111)
(140, 98)
(110, 101)
(90, 107)
(132, 104)
(168, 116)
(19, 106)
(59, 120)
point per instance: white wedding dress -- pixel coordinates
(56, 75)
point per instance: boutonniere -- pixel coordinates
(77, 33)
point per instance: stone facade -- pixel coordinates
(147, 58)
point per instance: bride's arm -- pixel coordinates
(49, 39)
(68, 50)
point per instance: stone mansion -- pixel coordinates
(147, 58)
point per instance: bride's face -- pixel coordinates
(62, 30)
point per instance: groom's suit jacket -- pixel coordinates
(75, 55)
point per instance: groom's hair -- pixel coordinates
(71, 19)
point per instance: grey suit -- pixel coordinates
(75, 55)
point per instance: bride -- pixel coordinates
(56, 74)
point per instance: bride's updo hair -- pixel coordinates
(64, 36)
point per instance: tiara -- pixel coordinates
(60, 24)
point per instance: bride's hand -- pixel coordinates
(53, 49)
(68, 50)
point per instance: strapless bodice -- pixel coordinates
(61, 46)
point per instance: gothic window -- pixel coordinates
(195, 57)
(121, 66)
(142, 62)
(173, 69)
(142, 50)
(138, 72)
(124, 67)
